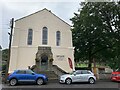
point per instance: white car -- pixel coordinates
(78, 76)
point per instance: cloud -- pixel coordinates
(43, 0)
(0, 31)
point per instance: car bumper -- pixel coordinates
(45, 80)
(115, 79)
(61, 81)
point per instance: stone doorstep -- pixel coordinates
(53, 80)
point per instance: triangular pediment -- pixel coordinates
(43, 13)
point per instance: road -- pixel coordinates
(101, 84)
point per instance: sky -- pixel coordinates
(19, 8)
(16, 9)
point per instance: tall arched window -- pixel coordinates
(30, 36)
(44, 36)
(58, 38)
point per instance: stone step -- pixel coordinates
(53, 81)
(49, 74)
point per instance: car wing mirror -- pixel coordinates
(33, 73)
(74, 74)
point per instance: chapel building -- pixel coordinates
(42, 41)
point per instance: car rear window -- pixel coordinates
(20, 72)
(82, 72)
(28, 72)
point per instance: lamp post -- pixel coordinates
(10, 41)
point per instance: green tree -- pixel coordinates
(96, 31)
(4, 58)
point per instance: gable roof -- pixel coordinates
(41, 11)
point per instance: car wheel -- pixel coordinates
(13, 82)
(68, 81)
(40, 81)
(91, 80)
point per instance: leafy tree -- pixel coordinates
(4, 58)
(96, 31)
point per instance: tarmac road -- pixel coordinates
(101, 84)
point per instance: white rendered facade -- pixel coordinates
(23, 55)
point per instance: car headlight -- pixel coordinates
(118, 74)
(62, 77)
(45, 77)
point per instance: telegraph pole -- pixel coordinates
(9, 51)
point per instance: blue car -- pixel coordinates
(26, 76)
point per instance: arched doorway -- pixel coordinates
(43, 59)
(44, 63)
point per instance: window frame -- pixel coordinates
(30, 36)
(44, 36)
(58, 38)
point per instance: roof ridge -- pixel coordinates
(32, 14)
(40, 11)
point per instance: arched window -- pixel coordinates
(44, 36)
(30, 36)
(58, 38)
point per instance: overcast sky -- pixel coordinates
(20, 8)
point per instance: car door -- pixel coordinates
(84, 76)
(119, 76)
(76, 76)
(30, 76)
(20, 74)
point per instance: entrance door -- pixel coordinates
(44, 63)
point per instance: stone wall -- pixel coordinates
(104, 76)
